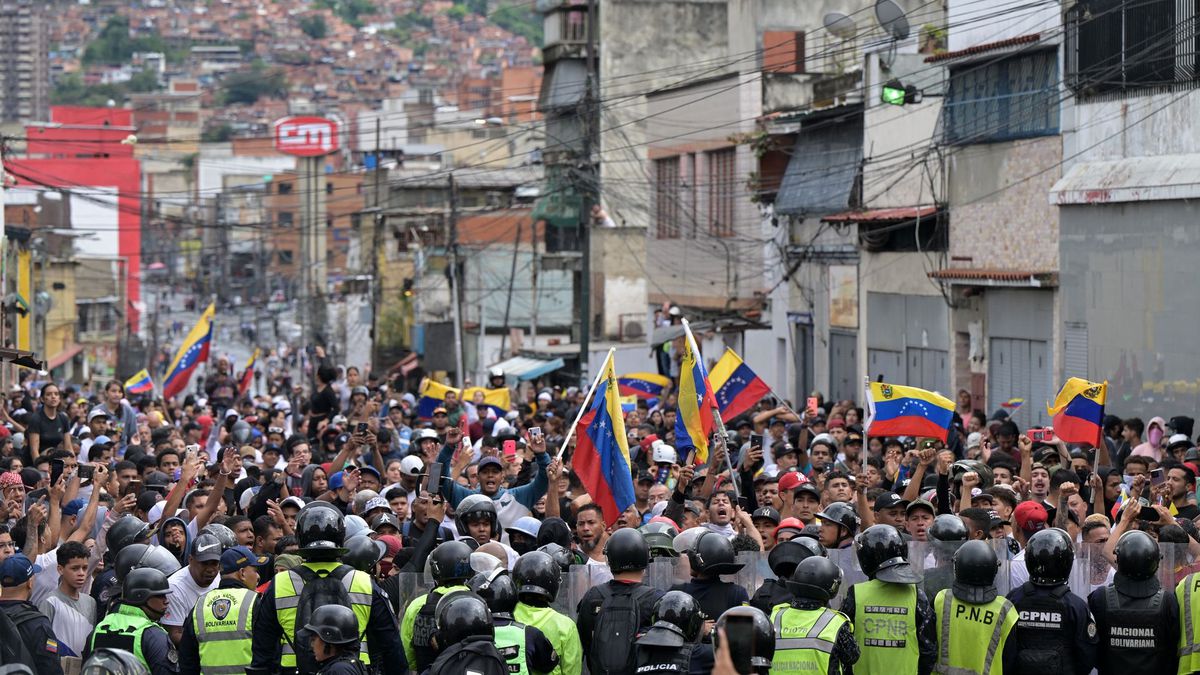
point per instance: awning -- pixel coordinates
(1135, 179)
(528, 367)
(882, 215)
(987, 48)
(821, 174)
(975, 276)
(563, 84)
(64, 356)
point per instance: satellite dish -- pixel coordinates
(892, 19)
(840, 25)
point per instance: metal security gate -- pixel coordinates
(802, 348)
(929, 369)
(1021, 369)
(843, 367)
(887, 364)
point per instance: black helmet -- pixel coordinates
(128, 558)
(752, 649)
(962, 466)
(682, 611)
(813, 545)
(1049, 556)
(143, 583)
(659, 537)
(450, 562)
(563, 556)
(145, 555)
(106, 661)
(477, 507)
(497, 590)
(241, 432)
(948, 527)
(462, 615)
(334, 624)
(626, 551)
(842, 514)
(363, 553)
(882, 554)
(537, 574)
(125, 531)
(224, 534)
(713, 554)
(321, 531)
(786, 555)
(1137, 565)
(815, 578)
(975, 565)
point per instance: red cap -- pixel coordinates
(788, 524)
(836, 423)
(1030, 517)
(790, 480)
(648, 442)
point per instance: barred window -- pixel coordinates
(1012, 98)
(667, 186)
(722, 191)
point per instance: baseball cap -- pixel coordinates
(73, 507)
(382, 519)
(337, 480)
(440, 410)
(794, 524)
(411, 465)
(371, 470)
(888, 500)
(807, 487)
(790, 480)
(97, 412)
(376, 503)
(645, 477)
(102, 440)
(206, 548)
(919, 504)
(16, 570)
(238, 557)
(292, 501)
(974, 440)
(766, 512)
(853, 437)
(490, 461)
(1030, 517)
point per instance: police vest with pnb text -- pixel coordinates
(885, 622)
(288, 587)
(971, 637)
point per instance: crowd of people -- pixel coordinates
(342, 532)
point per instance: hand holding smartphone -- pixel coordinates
(510, 450)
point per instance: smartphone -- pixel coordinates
(810, 406)
(510, 449)
(1157, 477)
(192, 450)
(86, 471)
(1038, 435)
(57, 466)
(361, 428)
(37, 495)
(535, 432)
(433, 481)
(739, 630)
(1145, 511)
(743, 503)
(756, 441)
(133, 487)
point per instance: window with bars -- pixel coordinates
(722, 191)
(667, 189)
(1002, 100)
(1116, 45)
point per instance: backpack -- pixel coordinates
(476, 657)
(14, 652)
(318, 591)
(617, 622)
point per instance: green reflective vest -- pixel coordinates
(408, 624)
(885, 623)
(123, 629)
(510, 640)
(804, 639)
(289, 585)
(560, 631)
(223, 619)
(1188, 595)
(971, 637)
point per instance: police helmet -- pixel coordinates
(363, 553)
(1137, 564)
(320, 531)
(1049, 556)
(241, 432)
(141, 584)
(224, 534)
(127, 559)
(815, 578)
(713, 554)
(752, 643)
(537, 575)
(564, 557)
(787, 554)
(659, 537)
(627, 550)
(962, 466)
(355, 526)
(475, 508)
(975, 565)
(842, 514)
(145, 555)
(125, 531)
(495, 372)
(948, 527)
(461, 615)
(882, 554)
(497, 590)
(106, 661)
(334, 624)
(450, 562)
(682, 611)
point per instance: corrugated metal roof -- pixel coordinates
(821, 173)
(986, 48)
(882, 215)
(528, 368)
(996, 277)
(1135, 179)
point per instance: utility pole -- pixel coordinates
(376, 248)
(455, 299)
(587, 181)
(512, 275)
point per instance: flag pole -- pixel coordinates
(720, 424)
(586, 399)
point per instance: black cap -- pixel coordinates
(645, 477)
(206, 548)
(766, 512)
(887, 500)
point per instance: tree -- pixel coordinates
(457, 12)
(142, 81)
(247, 86)
(217, 134)
(519, 20)
(115, 46)
(314, 26)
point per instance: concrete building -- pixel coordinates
(24, 62)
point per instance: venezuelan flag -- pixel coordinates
(192, 353)
(643, 385)
(497, 400)
(1078, 411)
(433, 394)
(247, 374)
(694, 414)
(1013, 404)
(737, 387)
(896, 410)
(602, 452)
(140, 383)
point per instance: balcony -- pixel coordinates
(565, 30)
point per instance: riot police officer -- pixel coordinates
(710, 556)
(133, 626)
(974, 623)
(334, 631)
(946, 534)
(782, 560)
(670, 645)
(605, 632)
(810, 637)
(1137, 622)
(524, 648)
(465, 637)
(450, 565)
(1055, 632)
(751, 639)
(125, 530)
(893, 621)
(538, 577)
(839, 524)
(113, 662)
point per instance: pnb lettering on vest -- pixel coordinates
(1048, 620)
(1135, 638)
(975, 613)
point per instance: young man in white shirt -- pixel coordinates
(190, 582)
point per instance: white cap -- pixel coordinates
(1178, 438)
(823, 438)
(974, 440)
(411, 465)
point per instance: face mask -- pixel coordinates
(1156, 436)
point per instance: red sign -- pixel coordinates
(306, 136)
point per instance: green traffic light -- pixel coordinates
(894, 93)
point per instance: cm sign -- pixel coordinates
(306, 136)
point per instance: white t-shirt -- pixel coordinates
(598, 572)
(46, 581)
(183, 596)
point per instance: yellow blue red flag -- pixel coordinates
(140, 383)
(694, 414)
(192, 353)
(1078, 411)
(896, 410)
(601, 457)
